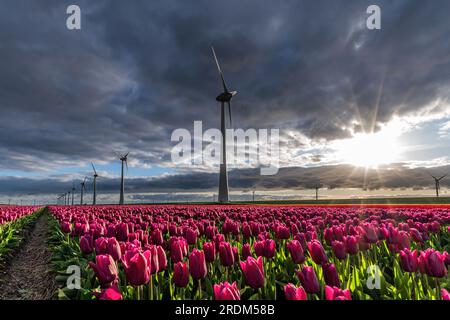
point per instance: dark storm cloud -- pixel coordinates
(338, 176)
(139, 69)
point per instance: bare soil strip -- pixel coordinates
(28, 274)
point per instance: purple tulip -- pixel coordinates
(409, 260)
(253, 271)
(180, 274)
(226, 291)
(317, 252)
(339, 250)
(296, 250)
(308, 279)
(197, 264)
(291, 292)
(210, 251)
(136, 268)
(330, 274)
(105, 269)
(334, 293)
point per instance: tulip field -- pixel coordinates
(253, 252)
(13, 219)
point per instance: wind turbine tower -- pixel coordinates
(83, 188)
(94, 183)
(123, 159)
(437, 182)
(224, 97)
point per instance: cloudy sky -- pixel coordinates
(351, 104)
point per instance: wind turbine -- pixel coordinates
(224, 97)
(317, 187)
(73, 191)
(123, 158)
(83, 188)
(68, 197)
(437, 183)
(94, 183)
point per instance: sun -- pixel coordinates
(369, 150)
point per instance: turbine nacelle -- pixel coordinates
(226, 96)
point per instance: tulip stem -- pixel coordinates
(150, 287)
(438, 288)
(170, 288)
(199, 289)
(138, 293)
(159, 285)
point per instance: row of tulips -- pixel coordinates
(11, 213)
(260, 252)
(14, 220)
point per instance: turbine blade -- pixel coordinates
(126, 163)
(442, 177)
(93, 168)
(220, 70)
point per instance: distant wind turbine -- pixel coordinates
(437, 183)
(123, 158)
(224, 97)
(317, 187)
(73, 191)
(94, 183)
(83, 188)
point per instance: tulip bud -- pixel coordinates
(178, 249)
(152, 259)
(136, 268)
(197, 264)
(265, 248)
(330, 274)
(291, 292)
(370, 233)
(308, 279)
(334, 293)
(282, 232)
(435, 264)
(317, 252)
(110, 293)
(415, 235)
(191, 236)
(114, 249)
(122, 231)
(101, 246)
(86, 244)
(180, 274)
(246, 251)
(66, 226)
(226, 254)
(162, 258)
(403, 240)
(246, 230)
(328, 236)
(210, 251)
(296, 251)
(253, 271)
(225, 291)
(445, 295)
(409, 260)
(156, 237)
(339, 250)
(105, 269)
